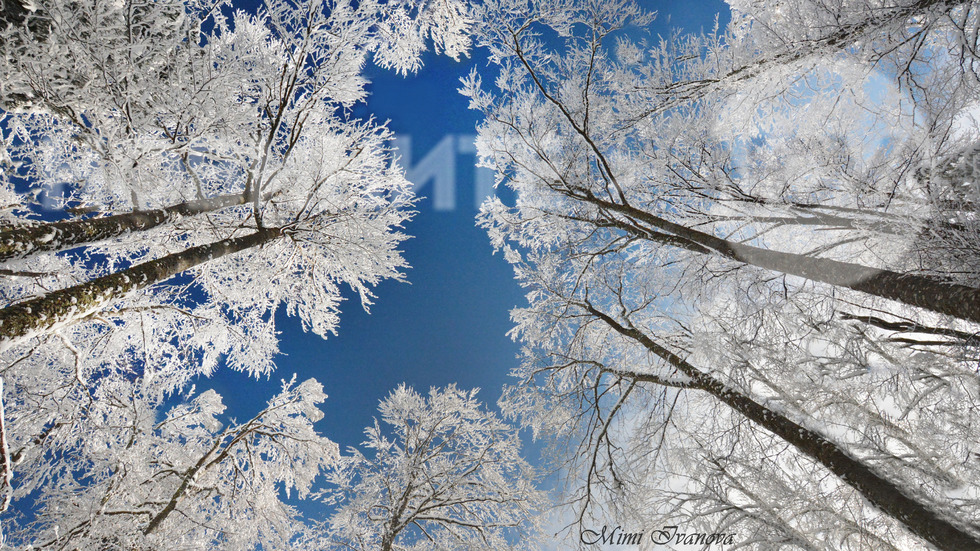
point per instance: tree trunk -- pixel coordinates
(882, 493)
(909, 327)
(917, 517)
(187, 478)
(54, 236)
(952, 299)
(31, 317)
(944, 297)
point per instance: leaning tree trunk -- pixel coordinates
(54, 236)
(884, 494)
(953, 299)
(31, 317)
(187, 482)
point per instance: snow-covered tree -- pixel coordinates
(237, 159)
(126, 475)
(703, 224)
(589, 99)
(213, 171)
(207, 106)
(446, 474)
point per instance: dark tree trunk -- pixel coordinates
(952, 299)
(909, 327)
(882, 493)
(54, 236)
(40, 314)
(917, 517)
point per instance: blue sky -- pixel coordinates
(449, 323)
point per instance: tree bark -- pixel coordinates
(884, 494)
(186, 479)
(909, 327)
(31, 317)
(54, 236)
(944, 297)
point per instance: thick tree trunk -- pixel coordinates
(28, 318)
(882, 493)
(944, 297)
(952, 299)
(917, 517)
(54, 236)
